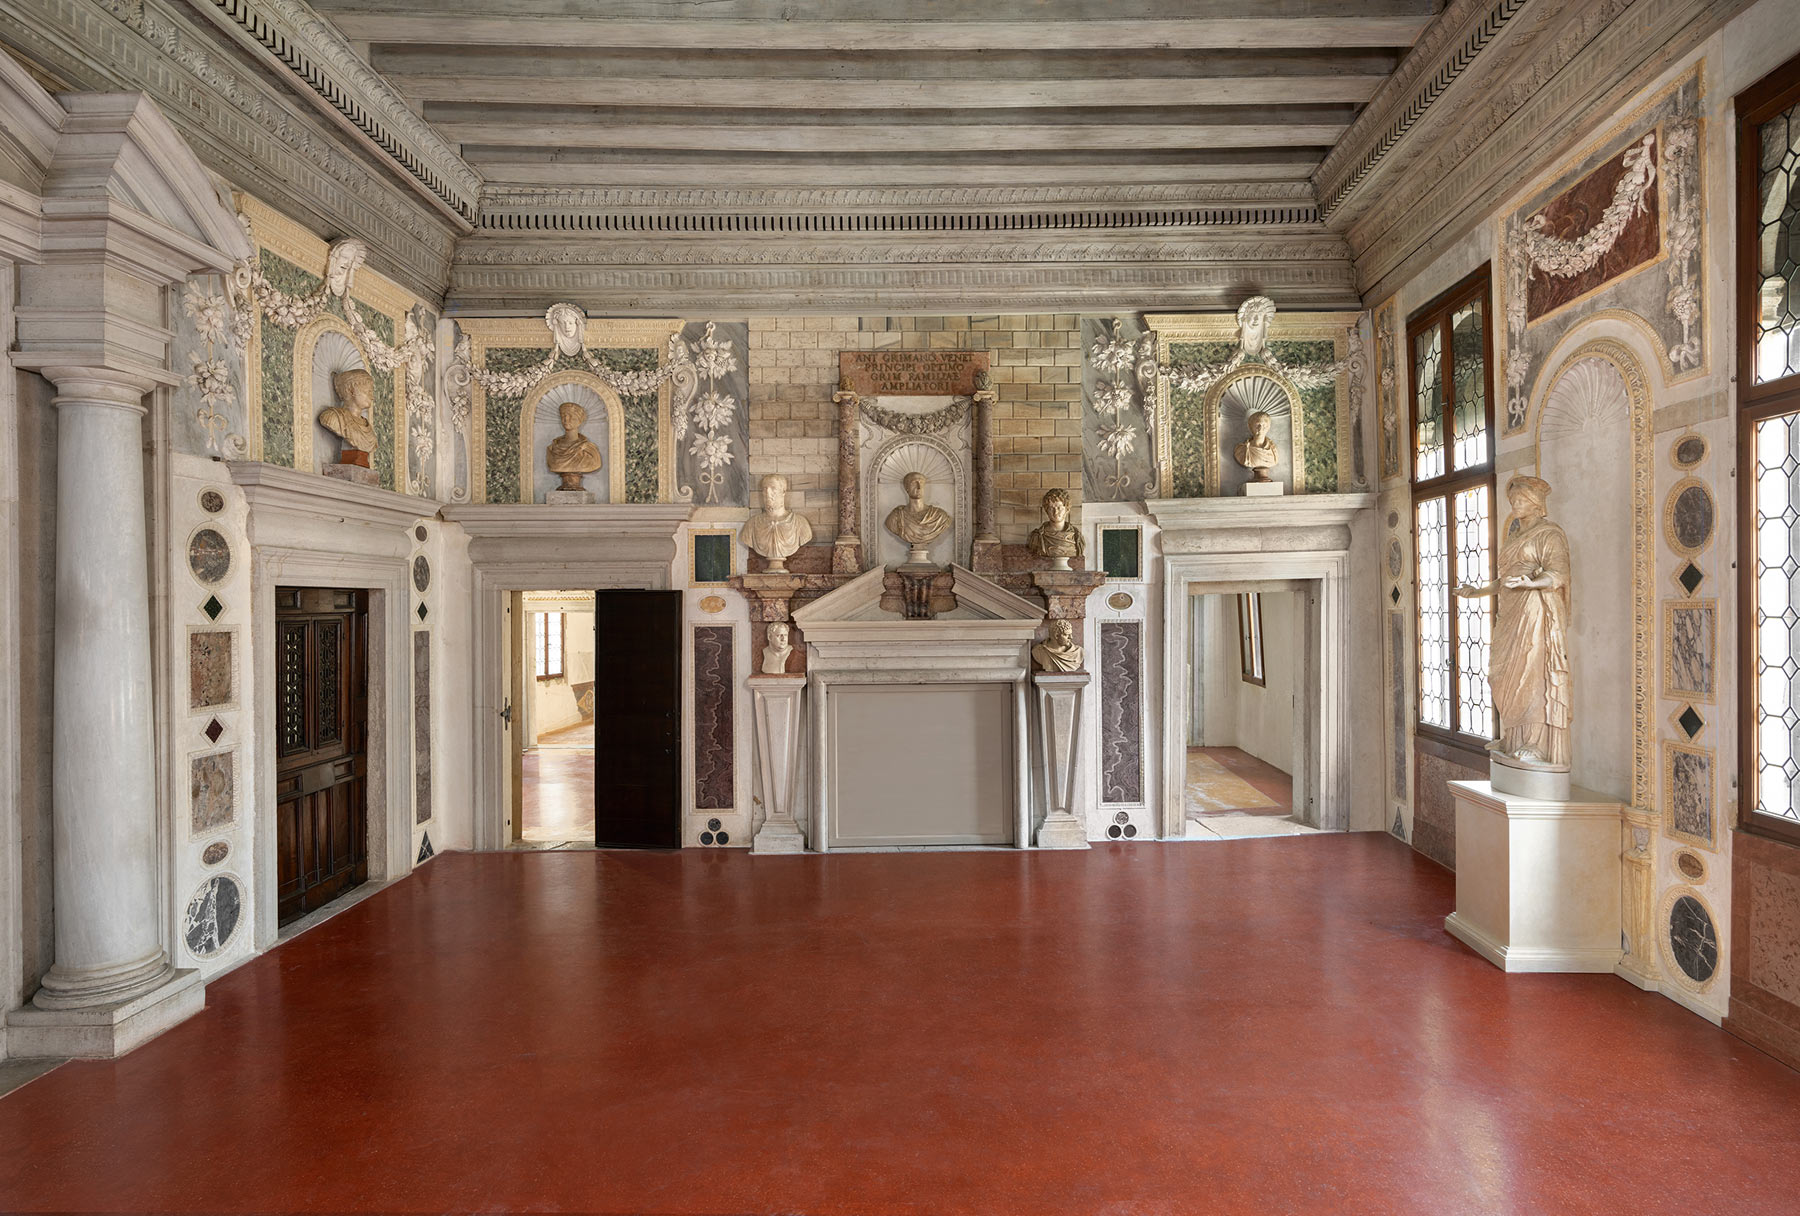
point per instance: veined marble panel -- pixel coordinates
(714, 736)
(1121, 712)
(421, 725)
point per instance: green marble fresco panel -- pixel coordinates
(1187, 420)
(277, 404)
(1318, 413)
(503, 425)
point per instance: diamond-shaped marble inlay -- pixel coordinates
(1689, 577)
(215, 728)
(1394, 594)
(212, 607)
(1690, 722)
(421, 612)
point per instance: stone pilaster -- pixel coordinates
(846, 553)
(778, 708)
(1059, 734)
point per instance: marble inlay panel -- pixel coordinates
(1688, 792)
(1775, 933)
(212, 787)
(1434, 810)
(209, 556)
(212, 916)
(1397, 697)
(422, 725)
(714, 736)
(210, 668)
(1121, 715)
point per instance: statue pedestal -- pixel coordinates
(569, 498)
(1264, 489)
(777, 750)
(1545, 784)
(1059, 731)
(356, 474)
(1538, 882)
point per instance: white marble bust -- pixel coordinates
(916, 522)
(1058, 652)
(775, 654)
(1258, 453)
(775, 533)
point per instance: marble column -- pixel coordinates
(104, 856)
(846, 553)
(778, 701)
(1059, 731)
(986, 532)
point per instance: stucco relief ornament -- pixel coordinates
(210, 376)
(775, 533)
(710, 411)
(1253, 317)
(565, 340)
(1530, 248)
(1681, 143)
(1532, 689)
(252, 294)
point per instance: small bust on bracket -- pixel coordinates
(572, 455)
(1058, 652)
(775, 654)
(349, 418)
(915, 522)
(1056, 538)
(775, 533)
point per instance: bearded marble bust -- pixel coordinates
(1056, 538)
(775, 533)
(916, 522)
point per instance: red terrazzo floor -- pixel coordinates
(1259, 1026)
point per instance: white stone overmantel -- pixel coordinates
(851, 640)
(1235, 524)
(544, 547)
(289, 508)
(1299, 541)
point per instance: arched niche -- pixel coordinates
(1593, 438)
(323, 348)
(539, 424)
(1229, 403)
(944, 468)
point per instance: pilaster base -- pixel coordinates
(779, 838)
(1062, 831)
(105, 1032)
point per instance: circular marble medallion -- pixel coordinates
(421, 574)
(1393, 519)
(1691, 517)
(1396, 559)
(419, 532)
(212, 916)
(1688, 451)
(215, 852)
(209, 556)
(1119, 601)
(1691, 940)
(713, 603)
(1690, 865)
(211, 501)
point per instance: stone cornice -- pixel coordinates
(1549, 95)
(275, 491)
(243, 127)
(289, 37)
(932, 287)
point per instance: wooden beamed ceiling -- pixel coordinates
(843, 93)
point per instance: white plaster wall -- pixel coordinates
(453, 677)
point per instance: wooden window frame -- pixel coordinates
(541, 659)
(1251, 655)
(1778, 91)
(1438, 313)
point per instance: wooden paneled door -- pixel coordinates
(637, 719)
(322, 734)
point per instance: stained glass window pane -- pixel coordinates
(1777, 612)
(1434, 612)
(1475, 615)
(1778, 249)
(1428, 439)
(1468, 364)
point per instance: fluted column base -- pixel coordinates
(105, 1031)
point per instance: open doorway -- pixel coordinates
(553, 682)
(1245, 716)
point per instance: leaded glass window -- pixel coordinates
(1453, 501)
(550, 632)
(1768, 467)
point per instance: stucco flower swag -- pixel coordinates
(709, 411)
(1113, 357)
(210, 375)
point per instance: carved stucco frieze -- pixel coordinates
(588, 250)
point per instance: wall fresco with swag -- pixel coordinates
(1318, 413)
(503, 419)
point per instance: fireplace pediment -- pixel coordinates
(989, 623)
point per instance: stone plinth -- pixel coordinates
(778, 705)
(1059, 735)
(1538, 882)
(103, 1032)
(569, 498)
(1065, 592)
(355, 474)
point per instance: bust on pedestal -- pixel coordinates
(775, 533)
(1056, 538)
(1259, 454)
(349, 421)
(572, 456)
(1059, 681)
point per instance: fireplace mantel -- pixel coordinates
(1235, 524)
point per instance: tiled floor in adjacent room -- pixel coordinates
(1261, 1026)
(557, 794)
